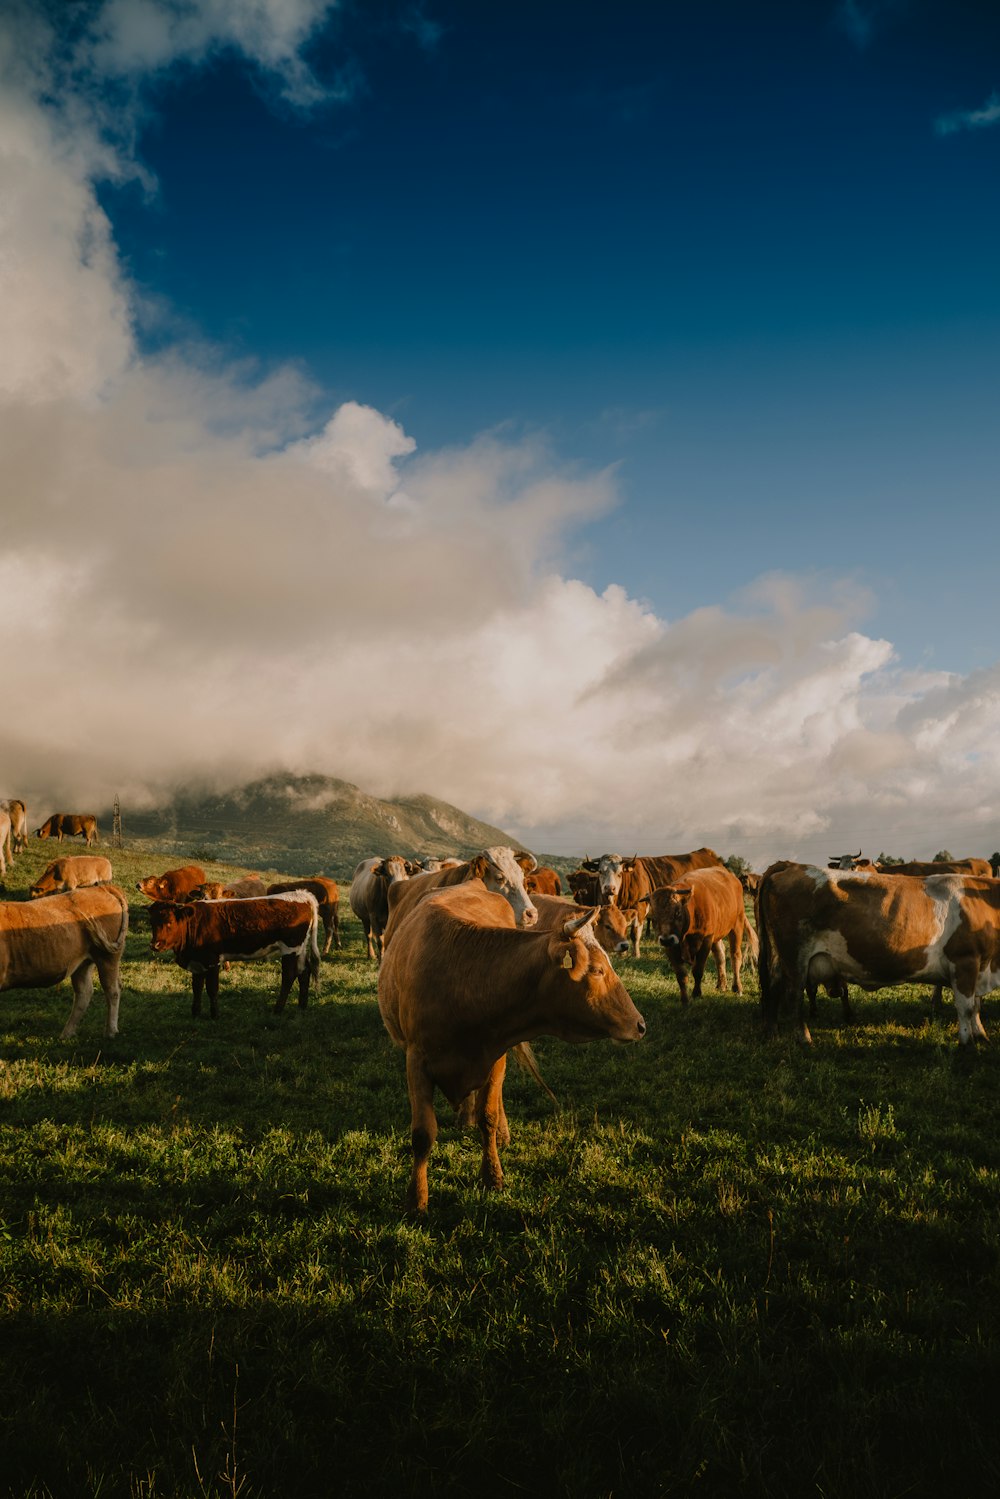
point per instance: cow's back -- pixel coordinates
(43, 941)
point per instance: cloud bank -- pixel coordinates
(200, 581)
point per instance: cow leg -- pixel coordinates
(465, 1112)
(970, 1026)
(197, 985)
(83, 988)
(489, 1115)
(736, 956)
(109, 973)
(212, 989)
(423, 1129)
(937, 1000)
(288, 972)
(335, 924)
(327, 933)
(719, 954)
(304, 972)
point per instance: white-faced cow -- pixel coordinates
(818, 926)
(69, 825)
(497, 868)
(373, 880)
(693, 919)
(202, 934)
(460, 985)
(72, 873)
(67, 936)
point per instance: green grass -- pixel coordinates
(723, 1265)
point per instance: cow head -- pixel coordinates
(46, 884)
(610, 868)
(614, 929)
(392, 870)
(168, 924)
(499, 870)
(845, 861)
(670, 914)
(589, 1000)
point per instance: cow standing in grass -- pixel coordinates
(460, 985)
(67, 936)
(694, 919)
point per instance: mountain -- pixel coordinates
(298, 825)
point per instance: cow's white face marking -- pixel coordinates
(609, 874)
(505, 876)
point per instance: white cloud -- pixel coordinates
(204, 582)
(970, 119)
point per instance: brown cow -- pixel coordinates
(242, 889)
(202, 934)
(67, 936)
(17, 840)
(327, 893)
(460, 985)
(173, 884)
(499, 869)
(979, 869)
(614, 929)
(543, 881)
(623, 881)
(69, 825)
(584, 887)
(877, 930)
(693, 919)
(72, 873)
(373, 879)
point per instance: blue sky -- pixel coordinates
(587, 416)
(726, 247)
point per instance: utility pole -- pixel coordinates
(116, 828)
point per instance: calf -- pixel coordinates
(72, 873)
(237, 890)
(67, 937)
(693, 919)
(203, 933)
(460, 985)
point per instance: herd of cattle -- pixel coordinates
(479, 957)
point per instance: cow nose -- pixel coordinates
(640, 1026)
(530, 917)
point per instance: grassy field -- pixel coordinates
(722, 1266)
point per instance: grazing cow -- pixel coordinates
(18, 840)
(203, 933)
(497, 868)
(543, 881)
(460, 985)
(72, 873)
(692, 920)
(369, 897)
(173, 884)
(876, 930)
(242, 889)
(327, 893)
(614, 929)
(67, 937)
(69, 825)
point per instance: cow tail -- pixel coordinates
(116, 948)
(752, 940)
(526, 1059)
(314, 956)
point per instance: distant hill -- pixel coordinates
(303, 825)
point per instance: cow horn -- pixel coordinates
(570, 928)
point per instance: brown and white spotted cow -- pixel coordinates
(818, 926)
(693, 920)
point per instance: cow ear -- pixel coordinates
(573, 956)
(478, 867)
(682, 890)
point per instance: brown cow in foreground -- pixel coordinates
(460, 985)
(692, 920)
(327, 893)
(203, 933)
(818, 926)
(67, 936)
(499, 869)
(173, 884)
(72, 873)
(69, 825)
